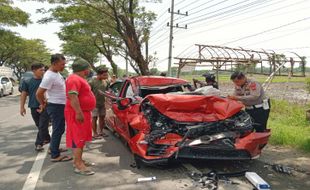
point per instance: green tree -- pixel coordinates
(113, 21)
(12, 16)
(27, 53)
(9, 44)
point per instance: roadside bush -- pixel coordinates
(308, 84)
(289, 125)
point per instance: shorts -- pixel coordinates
(98, 111)
(77, 134)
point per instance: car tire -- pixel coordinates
(1, 93)
(12, 91)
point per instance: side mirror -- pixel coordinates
(123, 103)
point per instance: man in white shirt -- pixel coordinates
(53, 84)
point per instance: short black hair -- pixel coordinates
(57, 57)
(36, 66)
(237, 75)
(163, 74)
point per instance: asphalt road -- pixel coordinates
(22, 168)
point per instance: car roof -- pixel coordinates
(150, 81)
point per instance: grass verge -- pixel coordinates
(289, 125)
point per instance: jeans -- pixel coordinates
(41, 120)
(56, 113)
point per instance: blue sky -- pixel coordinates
(212, 22)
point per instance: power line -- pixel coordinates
(202, 18)
(180, 2)
(265, 31)
(274, 38)
(212, 11)
(304, 47)
(248, 9)
(191, 3)
(248, 18)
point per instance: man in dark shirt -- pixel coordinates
(209, 81)
(97, 84)
(29, 88)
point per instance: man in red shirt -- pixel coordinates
(79, 104)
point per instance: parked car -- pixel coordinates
(160, 122)
(6, 86)
(26, 76)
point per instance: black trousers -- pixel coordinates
(41, 120)
(260, 117)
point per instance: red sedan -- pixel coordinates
(160, 122)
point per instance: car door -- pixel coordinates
(112, 94)
(121, 115)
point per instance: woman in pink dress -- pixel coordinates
(80, 102)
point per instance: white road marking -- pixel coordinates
(33, 176)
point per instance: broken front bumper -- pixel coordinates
(246, 148)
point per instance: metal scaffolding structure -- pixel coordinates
(222, 58)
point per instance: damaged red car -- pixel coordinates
(162, 120)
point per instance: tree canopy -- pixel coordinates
(113, 27)
(12, 16)
(17, 52)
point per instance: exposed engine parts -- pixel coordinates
(222, 132)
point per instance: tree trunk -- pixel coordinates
(113, 65)
(134, 47)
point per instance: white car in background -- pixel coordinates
(6, 86)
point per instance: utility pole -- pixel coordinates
(172, 13)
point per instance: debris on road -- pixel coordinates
(145, 179)
(282, 169)
(211, 179)
(257, 181)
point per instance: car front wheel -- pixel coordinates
(12, 91)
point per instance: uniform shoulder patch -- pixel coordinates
(252, 86)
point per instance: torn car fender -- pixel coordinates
(254, 142)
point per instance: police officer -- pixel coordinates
(252, 95)
(210, 81)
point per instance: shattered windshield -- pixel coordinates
(144, 91)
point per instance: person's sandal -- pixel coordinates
(95, 137)
(39, 148)
(103, 135)
(86, 172)
(86, 163)
(62, 159)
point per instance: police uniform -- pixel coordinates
(252, 95)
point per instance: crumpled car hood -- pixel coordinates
(194, 108)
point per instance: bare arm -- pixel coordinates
(23, 98)
(75, 104)
(40, 95)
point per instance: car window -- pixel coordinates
(116, 88)
(129, 91)
(4, 79)
(144, 91)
